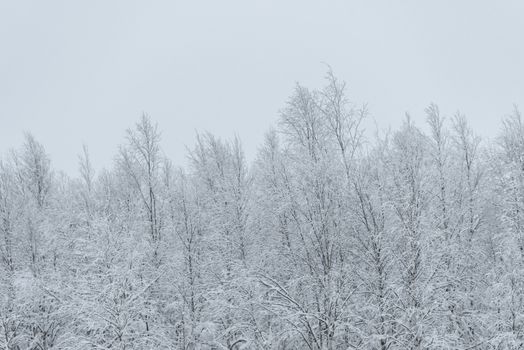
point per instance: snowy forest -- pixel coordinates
(333, 237)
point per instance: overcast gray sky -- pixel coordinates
(74, 72)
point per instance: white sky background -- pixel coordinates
(74, 72)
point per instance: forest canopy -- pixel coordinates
(329, 239)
